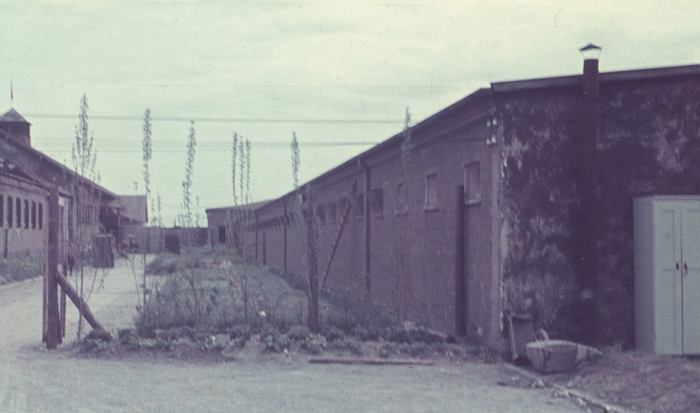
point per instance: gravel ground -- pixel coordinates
(35, 380)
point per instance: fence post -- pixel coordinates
(53, 323)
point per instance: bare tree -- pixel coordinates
(187, 183)
(147, 147)
(241, 154)
(84, 206)
(234, 153)
(296, 160)
(247, 171)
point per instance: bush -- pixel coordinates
(298, 333)
(20, 267)
(314, 344)
(273, 340)
(349, 344)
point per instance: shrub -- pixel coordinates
(20, 267)
(314, 344)
(349, 344)
(273, 340)
(334, 334)
(240, 331)
(298, 333)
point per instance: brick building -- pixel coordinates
(515, 199)
(25, 178)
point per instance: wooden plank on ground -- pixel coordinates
(371, 362)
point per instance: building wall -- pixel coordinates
(412, 249)
(29, 235)
(649, 144)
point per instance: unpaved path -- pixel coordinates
(35, 380)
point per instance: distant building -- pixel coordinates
(516, 199)
(27, 176)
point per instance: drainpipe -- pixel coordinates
(590, 121)
(366, 211)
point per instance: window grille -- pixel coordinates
(472, 183)
(431, 191)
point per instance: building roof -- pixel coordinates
(43, 157)
(135, 207)
(13, 116)
(604, 77)
(253, 205)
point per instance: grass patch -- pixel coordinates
(20, 267)
(215, 300)
(215, 290)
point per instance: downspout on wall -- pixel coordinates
(590, 124)
(366, 207)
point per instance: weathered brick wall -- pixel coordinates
(649, 144)
(412, 252)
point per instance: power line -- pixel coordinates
(221, 120)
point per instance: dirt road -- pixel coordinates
(35, 380)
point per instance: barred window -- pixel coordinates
(431, 191)
(26, 214)
(33, 214)
(401, 198)
(18, 210)
(376, 202)
(472, 189)
(10, 212)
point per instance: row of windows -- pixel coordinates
(334, 210)
(472, 195)
(18, 213)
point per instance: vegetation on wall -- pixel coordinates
(648, 145)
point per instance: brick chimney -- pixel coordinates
(14, 124)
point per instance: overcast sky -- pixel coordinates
(266, 68)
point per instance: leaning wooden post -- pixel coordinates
(52, 322)
(312, 268)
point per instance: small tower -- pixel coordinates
(14, 124)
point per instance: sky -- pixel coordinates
(340, 74)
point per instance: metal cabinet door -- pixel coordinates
(668, 292)
(691, 279)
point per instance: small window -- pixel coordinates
(472, 189)
(401, 198)
(33, 214)
(331, 211)
(26, 214)
(41, 215)
(376, 202)
(359, 205)
(10, 210)
(18, 210)
(321, 213)
(431, 191)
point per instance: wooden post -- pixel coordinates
(52, 322)
(285, 224)
(312, 268)
(368, 190)
(460, 266)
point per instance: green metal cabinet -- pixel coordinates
(667, 274)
